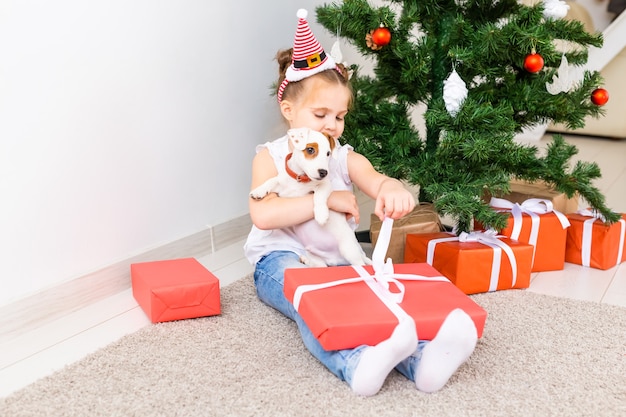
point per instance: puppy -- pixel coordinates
(306, 171)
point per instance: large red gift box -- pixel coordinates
(473, 266)
(536, 222)
(590, 242)
(347, 315)
(175, 289)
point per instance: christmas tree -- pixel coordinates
(484, 70)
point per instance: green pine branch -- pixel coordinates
(463, 156)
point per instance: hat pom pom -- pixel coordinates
(302, 14)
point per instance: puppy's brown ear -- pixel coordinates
(330, 140)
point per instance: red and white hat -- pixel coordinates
(309, 57)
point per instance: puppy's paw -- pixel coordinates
(359, 260)
(259, 193)
(354, 254)
(312, 261)
(321, 214)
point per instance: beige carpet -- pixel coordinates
(540, 356)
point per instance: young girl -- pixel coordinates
(313, 92)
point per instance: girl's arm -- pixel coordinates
(392, 198)
(274, 212)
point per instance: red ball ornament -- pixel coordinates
(381, 36)
(533, 63)
(599, 96)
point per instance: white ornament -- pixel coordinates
(337, 56)
(335, 52)
(555, 9)
(565, 78)
(454, 93)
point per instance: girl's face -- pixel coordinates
(322, 106)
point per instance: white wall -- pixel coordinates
(128, 124)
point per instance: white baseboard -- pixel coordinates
(30, 312)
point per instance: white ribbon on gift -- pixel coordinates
(533, 207)
(486, 238)
(588, 231)
(380, 281)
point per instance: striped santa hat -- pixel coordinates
(308, 58)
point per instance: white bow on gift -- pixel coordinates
(533, 207)
(489, 238)
(588, 231)
(380, 282)
(592, 213)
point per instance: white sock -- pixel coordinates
(454, 343)
(377, 361)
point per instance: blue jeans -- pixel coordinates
(269, 278)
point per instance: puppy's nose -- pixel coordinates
(322, 172)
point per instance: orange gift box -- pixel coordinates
(535, 222)
(175, 289)
(590, 242)
(347, 315)
(472, 266)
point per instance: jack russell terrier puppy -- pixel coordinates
(306, 171)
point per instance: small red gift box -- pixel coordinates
(590, 242)
(476, 262)
(343, 315)
(536, 222)
(175, 289)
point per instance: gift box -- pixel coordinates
(175, 289)
(592, 243)
(522, 191)
(476, 262)
(423, 219)
(343, 315)
(536, 222)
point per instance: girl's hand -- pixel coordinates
(393, 200)
(344, 202)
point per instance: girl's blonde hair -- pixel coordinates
(294, 88)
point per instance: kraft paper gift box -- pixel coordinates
(476, 262)
(522, 191)
(536, 222)
(592, 243)
(343, 315)
(175, 289)
(423, 219)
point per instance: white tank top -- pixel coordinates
(310, 233)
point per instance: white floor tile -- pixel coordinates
(616, 292)
(58, 355)
(27, 344)
(574, 281)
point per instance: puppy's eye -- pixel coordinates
(328, 153)
(310, 150)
